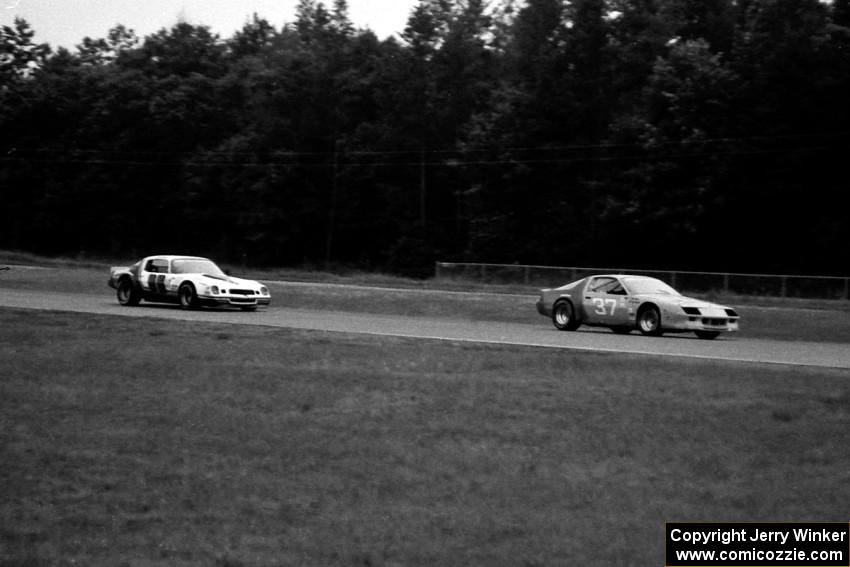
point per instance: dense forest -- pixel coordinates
(674, 134)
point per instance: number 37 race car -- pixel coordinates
(624, 303)
(190, 281)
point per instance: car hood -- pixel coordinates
(230, 280)
(680, 300)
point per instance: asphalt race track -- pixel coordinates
(829, 355)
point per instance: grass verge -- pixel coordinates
(149, 442)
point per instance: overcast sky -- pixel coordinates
(66, 22)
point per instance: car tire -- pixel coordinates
(707, 335)
(622, 330)
(564, 316)
(649, 321)
(188, 297)
(127, 293)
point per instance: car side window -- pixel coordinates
(617, 289)
(611, 286)
(157, 266)
(600, 285)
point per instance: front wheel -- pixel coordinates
(649, 321)
(707, 335)
(127, 293)
(563, 316)
(188, 297)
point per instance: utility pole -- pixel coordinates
(423, 188)
(332, 209)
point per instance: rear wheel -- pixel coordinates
(707, 335)
(649, 321)
(188, 297)
(563, 316)
(127, 293)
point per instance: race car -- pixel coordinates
(190, 281)
(623, 303)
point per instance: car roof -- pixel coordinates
(170, 257)
(624, 276)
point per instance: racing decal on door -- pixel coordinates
(156, 283)
(604, 306)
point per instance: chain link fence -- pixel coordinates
(767, 285)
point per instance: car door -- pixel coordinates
(152, 275)
(172, 280)
(605, 301)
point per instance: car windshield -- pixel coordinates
(648, 285)
(196, 266)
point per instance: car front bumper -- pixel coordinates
(234, 300)
(702, 323)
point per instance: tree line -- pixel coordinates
(675, 134)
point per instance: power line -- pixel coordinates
(433, 151)
(417, 163)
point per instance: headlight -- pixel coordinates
(214, 289)
(264, 290)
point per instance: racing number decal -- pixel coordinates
(156, 283)
(604, 306)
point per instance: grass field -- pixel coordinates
(148, 442)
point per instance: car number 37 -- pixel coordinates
(605, 306)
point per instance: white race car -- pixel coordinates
(189, 281)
